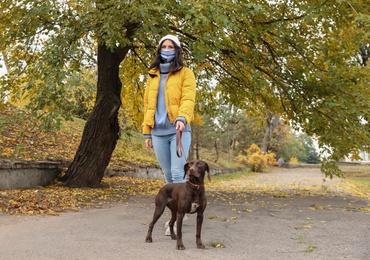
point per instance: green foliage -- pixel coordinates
(81, 93)
(330, 168)
(229, 129)
(298, 59)
(295, 145)
(312, 157)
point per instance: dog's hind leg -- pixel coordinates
(172, 222)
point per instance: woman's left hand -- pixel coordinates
(180, 125)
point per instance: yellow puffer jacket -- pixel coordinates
(179, 91)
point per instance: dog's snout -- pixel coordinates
(192, 171)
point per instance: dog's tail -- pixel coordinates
(208, 172)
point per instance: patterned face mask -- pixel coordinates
(167, 55)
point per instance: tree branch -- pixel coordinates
(130, 31)
(292, 18)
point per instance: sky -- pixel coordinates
(2, 67)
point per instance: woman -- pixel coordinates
(169, 101)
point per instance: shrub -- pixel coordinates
(271, 159)
(258, 162)
(293, 160)
(255, 158)
(243, 159)
(253, 149)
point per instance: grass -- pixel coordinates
(356, 171)
(365, 182)
(310, 249)
(21, 139)
(301, 239)
(216, 244)
(359, 175)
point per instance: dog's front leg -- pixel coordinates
(179, 244)
(200, 245)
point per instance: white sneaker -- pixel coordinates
(167, 224)
(167, 232)
(167, 227)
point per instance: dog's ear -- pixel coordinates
(208, 171)
(186, 168)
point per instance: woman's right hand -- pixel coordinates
(148, 143)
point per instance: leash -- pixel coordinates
(179, 148)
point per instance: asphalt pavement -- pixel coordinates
(244, 225)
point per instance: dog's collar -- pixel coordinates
(194, 186)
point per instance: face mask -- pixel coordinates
(167, 55)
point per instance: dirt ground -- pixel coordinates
(305, 218)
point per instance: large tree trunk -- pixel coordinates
(216, 150)
(101, 131)
(197, 144)
(272, 122)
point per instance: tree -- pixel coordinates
(293, 58)
(311, 155)
(292, 146)
(81, 91)
(298, 60)
(68, 27)
(272, 123)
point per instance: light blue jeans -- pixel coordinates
(165, 151)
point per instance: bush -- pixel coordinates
(258, 162)
(293, 160)
(256, 159)
(253, 149)
(243, 159)
(271, 159)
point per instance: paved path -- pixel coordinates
(250, 224)
(300, 178)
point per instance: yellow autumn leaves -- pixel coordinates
(55, 199)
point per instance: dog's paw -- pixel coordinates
(148, 240)
(201, 246)
(180, 247)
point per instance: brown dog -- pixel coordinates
(183, 198)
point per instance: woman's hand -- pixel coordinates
(180, 125)
(148, 143)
